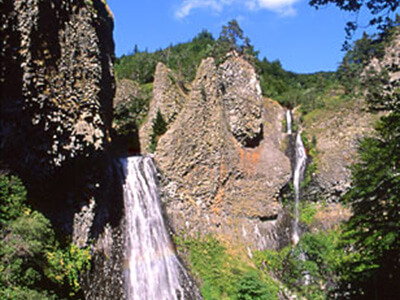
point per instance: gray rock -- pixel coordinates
(214, 180)
(168, 98)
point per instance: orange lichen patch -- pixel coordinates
(249, 159)
(242, 154)
(255, 156)
(215, 207)
(223, 171)
(268, 102)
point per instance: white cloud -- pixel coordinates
(283, 7)
(188, 5)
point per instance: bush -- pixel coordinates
(159, 127)
(12, 197)
(31, 260)
(251, 287)
(310, 269)
(223, 275)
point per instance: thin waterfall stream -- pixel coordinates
(289, 121)
(153, 271)
(300, 167)
(298, 174)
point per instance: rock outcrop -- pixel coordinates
(126, 90)
(389, 62)
(221, 159)
(168, 99)
(337, 132)
(56, 92)
(56, 83)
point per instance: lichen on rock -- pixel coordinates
(215, 178)
(168, 99)
(58, 104)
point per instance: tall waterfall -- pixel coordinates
(289, 121)
(300, 166)
(153, 272)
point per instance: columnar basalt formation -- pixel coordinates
(56, 83)
(56, 91)
(222, 160)
(168, 99)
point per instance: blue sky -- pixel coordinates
(304, 39)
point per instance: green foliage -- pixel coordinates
(129, 115)
(182, 58)
(24, 242)
(356, 59)
(372, 233)
(159, 127)
(308, 211)
(27, 243)
(252, 287)
(290, 89)
(66, 265)
(12, 197)
(230, 39)
(380, 12)
(312, 166)
(272, 260)
(223, 275)
(316, 259)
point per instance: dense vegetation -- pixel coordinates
(289, 88)
(225, 275)
(33, 264)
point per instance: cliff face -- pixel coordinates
(56, 92)
(221, 158)
(168, 99)
(56, 83)
(337, 133)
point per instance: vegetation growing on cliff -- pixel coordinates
(224, 275)
(289, 88)
(33, 265)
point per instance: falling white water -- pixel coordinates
(289, 122)
(301, 158)
(152, 268)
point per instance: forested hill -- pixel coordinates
(287, 87)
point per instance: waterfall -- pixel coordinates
(289, 121)
(152, 270)
(300, 166)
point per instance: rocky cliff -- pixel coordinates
(337, 131)
(56, 92)
(56, 84)
(222, 158)
(168, 99)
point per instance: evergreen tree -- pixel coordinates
(230, 39)
(159, 127)
(372, 235)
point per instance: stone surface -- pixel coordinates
(337, 133)
(242, 100)
(212, 182)
(168, 98)
(56, 91)
(56, 83)
(126, 90)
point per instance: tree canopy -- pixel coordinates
(382, 12)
